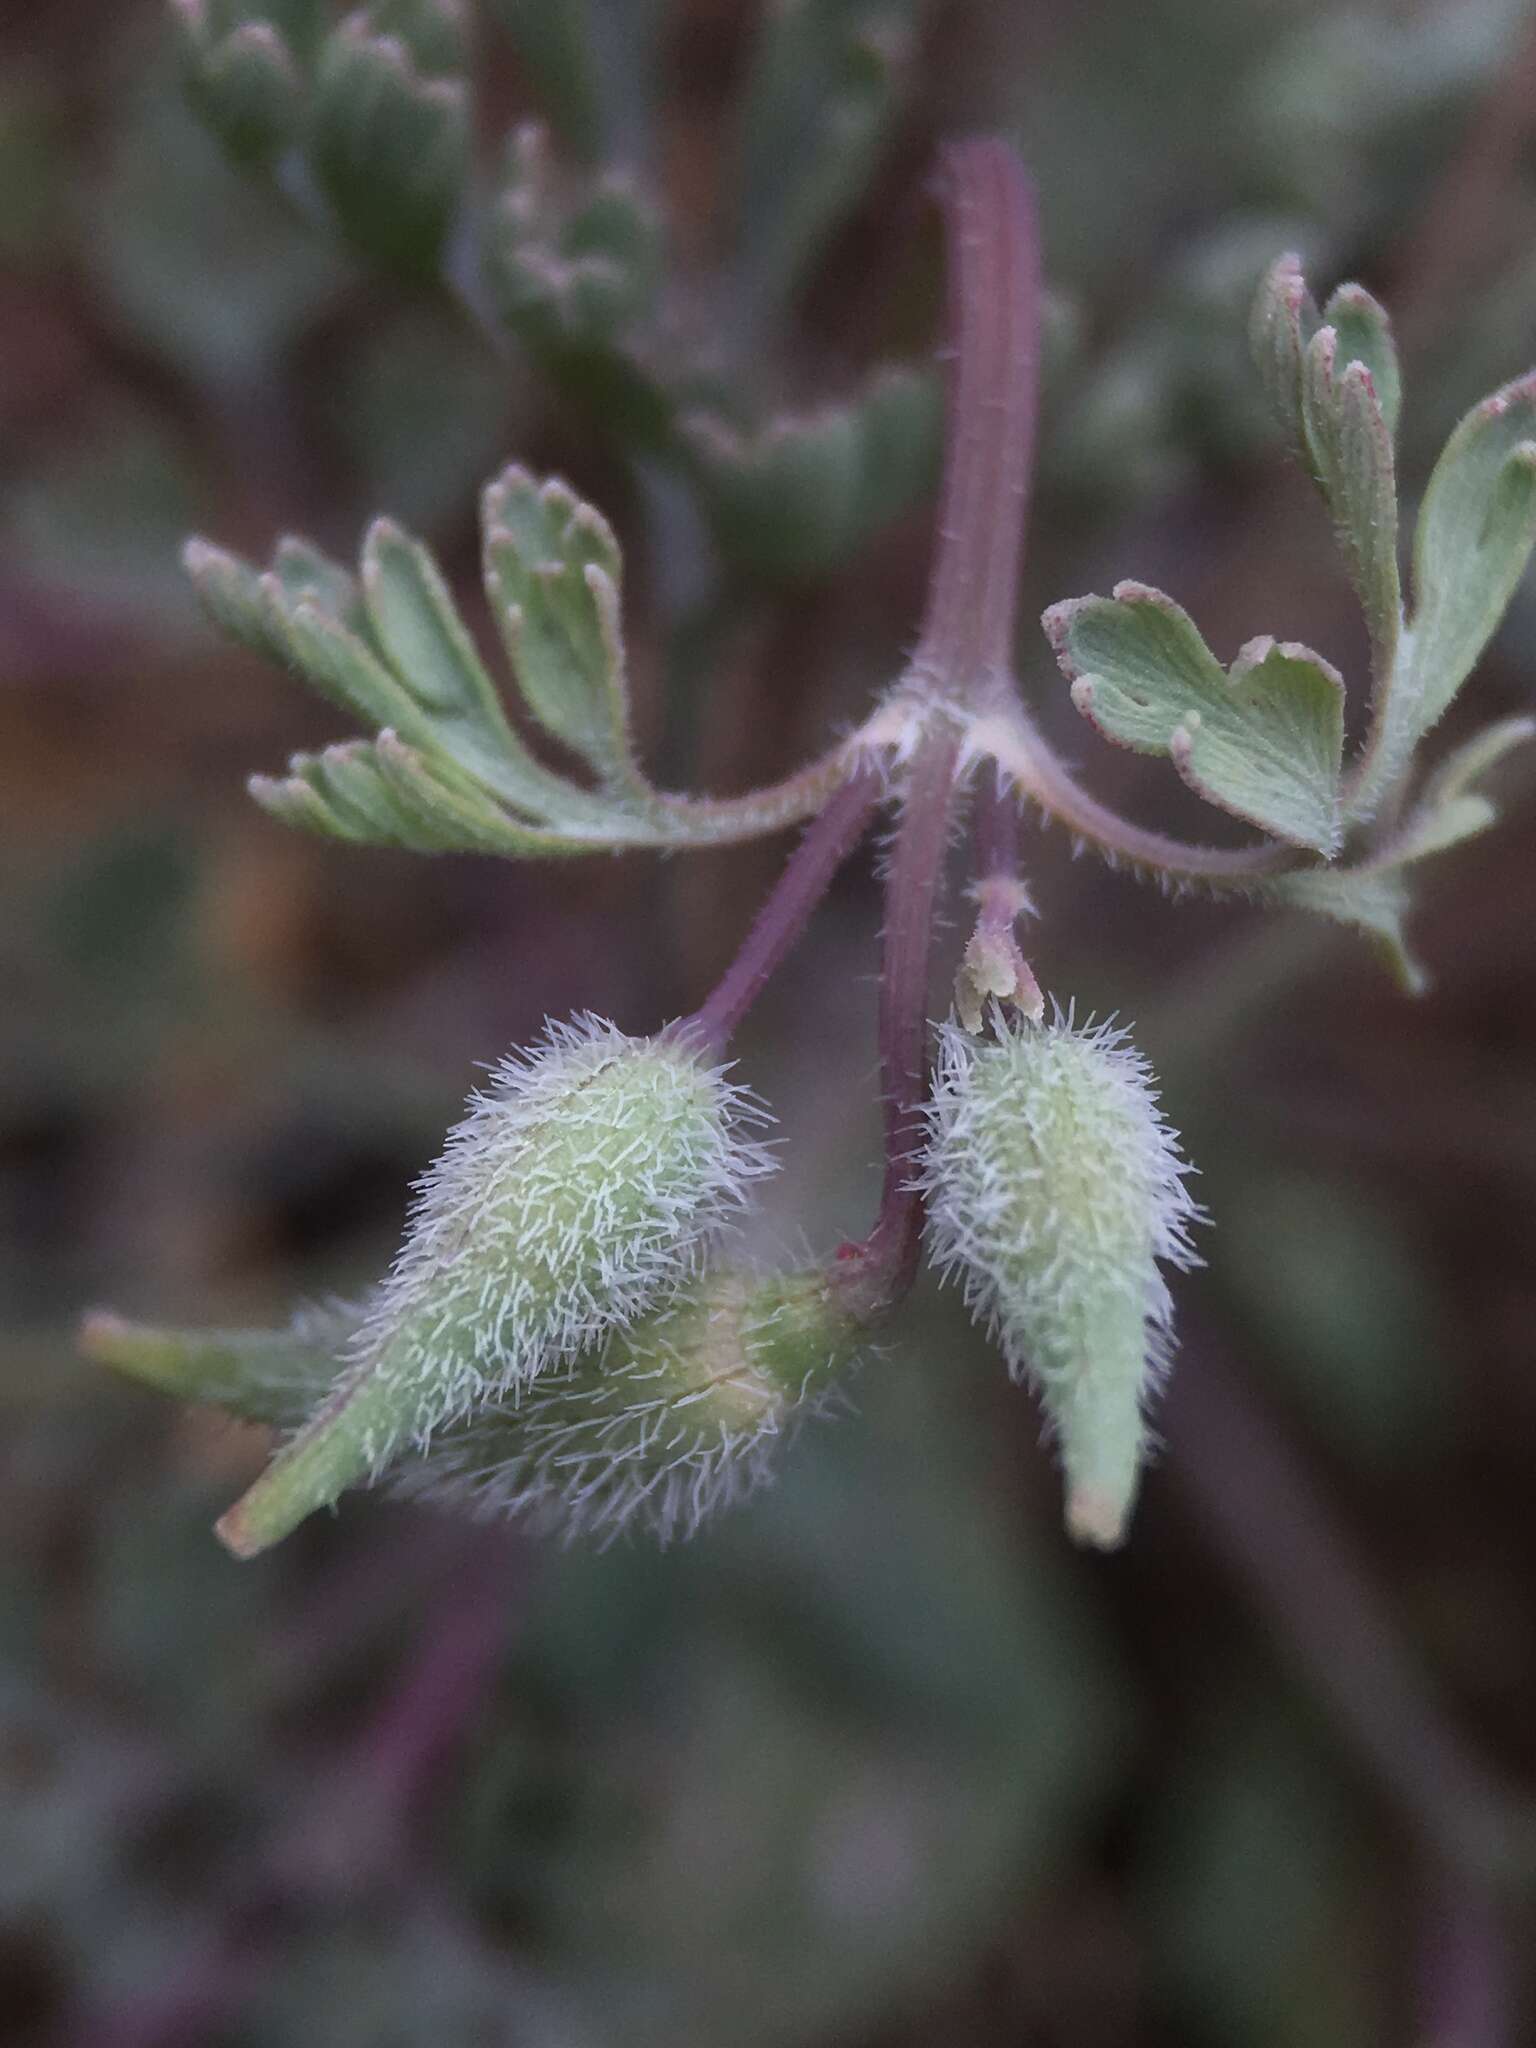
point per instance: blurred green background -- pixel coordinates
(881, 1761)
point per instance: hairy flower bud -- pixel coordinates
(668, 1422)
(656, 1428)
(582, 1189)
(1054, 1189)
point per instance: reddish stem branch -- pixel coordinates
(989, 209)
(829, 840)
(879, 1271)
(995, 828)
(966, 647)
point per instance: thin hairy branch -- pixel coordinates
(965, 651)
(994, 239)
(882, 1269)
(830, 839)
(1009, 737)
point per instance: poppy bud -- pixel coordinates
(669, 1421)
(1055, 1190)
(583, 1188)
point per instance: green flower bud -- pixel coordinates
(656, 1428)
(583, 1188)
(670, 1421)
(1054, 1190)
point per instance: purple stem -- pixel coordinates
(829, 839)
(965, 652)
(994, 296)
(995, 829)
(876, 1273)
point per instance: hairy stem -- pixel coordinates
(876, 1273)
(994, 241)
(808, 873)
(723, 820)
(1009, 738)
(964, 656)
(994, 968)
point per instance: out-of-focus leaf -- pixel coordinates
(243, 78)
(206, 267)
(1337, 1298)
(270, 1376)
(827, 82)
(32, 168)
(570, 264)
(424, 410)
(1251, 1886)
(98, 521)
(806, 492)
(1263, 740)
(594, 65)
(390, 141)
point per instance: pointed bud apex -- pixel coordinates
(582, 1189)
(1054, 1190)
(675, 1418)
(272, 1376)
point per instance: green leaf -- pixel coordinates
(804, 493)
(426, 643)
(1371, 900)
(471, 822)
(595, 68)
(1374, 895)
(574, 269)
(1263, 740)
(431, 30)
(555, 40)
(1473, 540)
(446, 770)
(1352, 457)
(309, 576)
(1451, 808)
(827, 82)
(390, 145)
(1283, 322)
(245, 84)
(385, 793)
(553, 573)
(1364, 335)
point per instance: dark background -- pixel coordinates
(881, 1761)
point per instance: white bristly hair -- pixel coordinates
(1055, 1193)
(679, 1417)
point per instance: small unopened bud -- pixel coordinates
(1054, 1190)
(670, 1421)
(582, 1189)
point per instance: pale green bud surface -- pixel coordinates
(1055, 1192)
(681, 1415)
(583, 1188)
